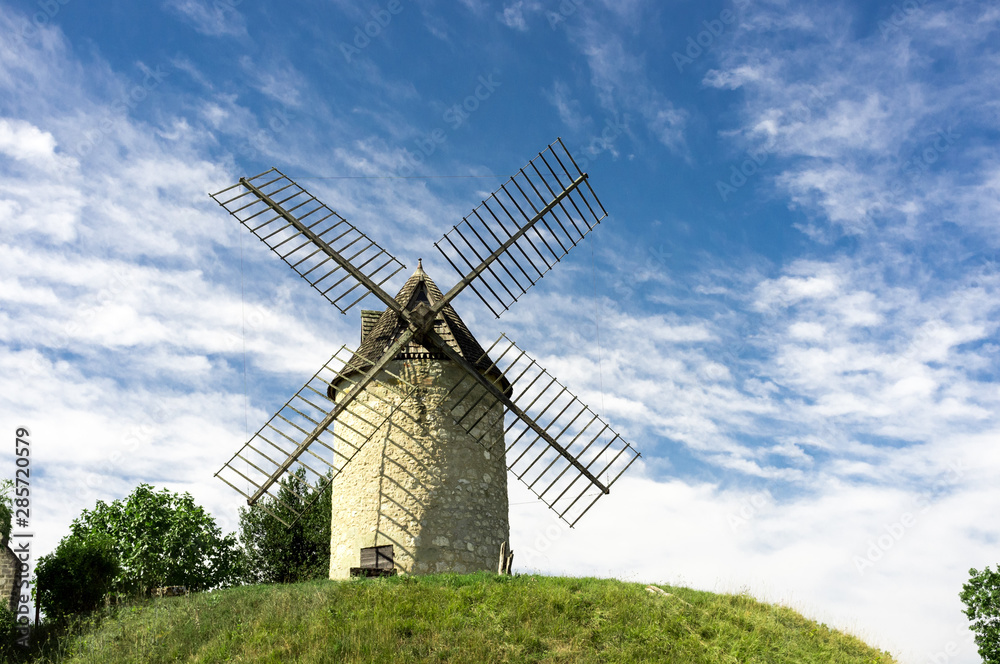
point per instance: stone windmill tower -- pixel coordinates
(423, 493)
(416, 429)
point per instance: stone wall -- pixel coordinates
(422, 484)
(10, 576)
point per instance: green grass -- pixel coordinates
(456, 618)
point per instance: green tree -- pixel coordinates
(161, 539)
(276, 553)
(981, 596)
(6, 509)
(76, 577)
(8, 634)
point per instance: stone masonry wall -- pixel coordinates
(10, 576)
(422, 484)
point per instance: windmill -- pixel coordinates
(416, 429)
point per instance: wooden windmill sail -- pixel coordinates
(498, 397)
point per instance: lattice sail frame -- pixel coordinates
(296, 243)
(550, 476)
(552, 175)
(301, 416)
(507, 244)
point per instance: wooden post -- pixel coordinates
(509, 563)
(503, 559)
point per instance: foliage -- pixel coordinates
(76, 577)
(464, 618)
(8, 633)
(276, 553)
(982, 597)
(161, 539)
(6, 509)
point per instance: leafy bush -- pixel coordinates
(276, 553)
(161, 539)
(982, 597)
(75, 578)
(8, 634)
(6, 509)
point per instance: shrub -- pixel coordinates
(6, 509)
(982, 597)
(75, 578)
(8, 634)
(161, 539)
(276, 553)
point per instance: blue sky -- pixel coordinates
(791, 309)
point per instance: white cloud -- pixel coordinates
(279, 81)
(217, 19)
(123, 324)
(732, 79)
(622, 84)
(21, 140)
(831, 394)
(513, 14)
(859, 131)
(568, 108)
(788, 551)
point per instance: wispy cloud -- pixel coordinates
(832, 382)
(215, 19)
(560, 96)
(849, 401)
(278, 80)
(117, 281)
(858, 119)
(621, 81)
(513, 14)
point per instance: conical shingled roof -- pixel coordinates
(390, 326)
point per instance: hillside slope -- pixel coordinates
(471, 618)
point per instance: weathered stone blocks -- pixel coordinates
(10, 576)
(421, 483)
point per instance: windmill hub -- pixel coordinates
(422, 318)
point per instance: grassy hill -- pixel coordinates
(456, 618)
